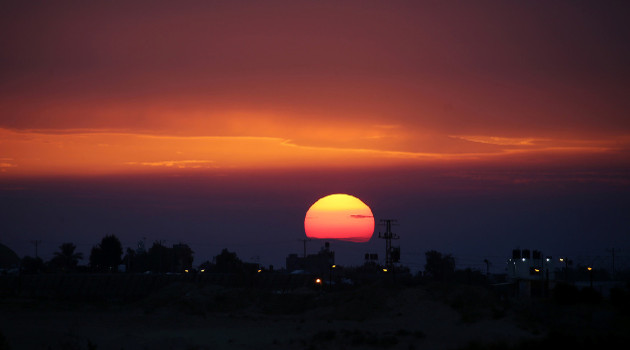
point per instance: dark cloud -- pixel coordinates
(357, 216)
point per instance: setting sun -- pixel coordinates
(339, 216)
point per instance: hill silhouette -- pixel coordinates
(8, 258)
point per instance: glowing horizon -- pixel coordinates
(81, 152)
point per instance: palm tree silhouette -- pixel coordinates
(66, 259)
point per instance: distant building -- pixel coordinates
(319, 263)
(531, 265)
(532, 273)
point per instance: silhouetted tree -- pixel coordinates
(159, 257)
(439, 267)
(228, 262)
(66, 259)
(129, 259)
(106, 256)
(136, 260)
(183, 257)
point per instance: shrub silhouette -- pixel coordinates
(565, 294)
(590, 296)
(32, 265)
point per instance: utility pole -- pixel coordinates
(487, 266)
(388, 236)
(36, 243)
(305, 240)
(161, 242)
(566, 262)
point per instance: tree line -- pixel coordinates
(107, 256)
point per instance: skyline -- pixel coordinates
(480, 126)
(472, 218)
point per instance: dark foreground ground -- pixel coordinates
(429, 316)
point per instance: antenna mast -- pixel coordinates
(36, 244)
(390, 256)
(305, 240)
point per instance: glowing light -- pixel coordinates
(333, 266)
(259, 270)
(523, 259)
(186, 271)
(318, 281)
(537, 270)
(589, 268)
(339, 216)
(384, 270)
(561, 259)
(203, 270)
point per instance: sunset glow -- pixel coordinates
(82, 152)
(339, 216)
(208, 87)
(480, 125)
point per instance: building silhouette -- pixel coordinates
(313, 263)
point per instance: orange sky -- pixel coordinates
(101, 88)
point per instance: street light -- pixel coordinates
(331, 268)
